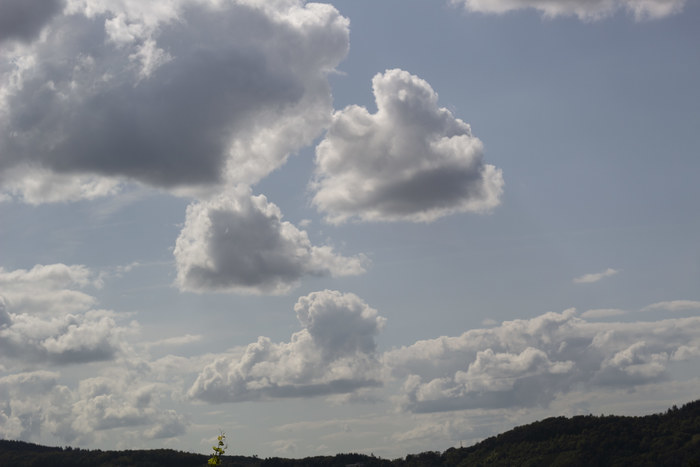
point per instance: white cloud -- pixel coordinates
(602, 313)
(526, 363)
(80, 338)
(334, 353)
(34, 185)
(238, 243)
(36, 404)
(175, 341)
(52, 276)
(674, 305)
(412, 160)
(595, 277)
(585, 10)
(169, 93)
(33, 402)
(112, 402)
(43, 319)
(48, 288)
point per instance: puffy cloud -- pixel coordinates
(23, 19)
(34, 185)
(584, 10)
(71, 338)
(526, 363)
(238, 243)
(172, 93)
(44, 320)
(107, 402)
(33, 402)
(51, 276)
(47, 288)
(333, 354)
(412, 160)
(36, 405)
(674, 305)
(595, 277)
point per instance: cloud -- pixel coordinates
(172, 94)
(35, 404)
(333, 354)
(33, 185)
(43, 319)
(602, 313)
(591, 278)
(23, 20)
(674, 305)
(32, 402)
(105, 403)
(175, 341)
(65, 339)
(48, 288)
(411, 161)
(584, 10)
(528, 363)
(238, 243)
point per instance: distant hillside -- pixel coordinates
(668, 439)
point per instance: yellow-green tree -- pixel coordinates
(219, 450)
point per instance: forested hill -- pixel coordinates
(671, 438)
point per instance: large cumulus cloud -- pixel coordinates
(585, 10)
(412, 160)
(172, 94)
(333, 354)
(526, 363)
(238, 243)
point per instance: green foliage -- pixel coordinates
(219, 450)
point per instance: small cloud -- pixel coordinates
(602, 313)
(674, 305)
(489, 322)
(176, 341)
(595, 277)
(583, 10)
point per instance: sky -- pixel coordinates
(382, 226)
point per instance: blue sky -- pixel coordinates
(380, 227)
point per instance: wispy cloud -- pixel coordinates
(585, 11)
(595, 277)
(674, 305)
(602, 313)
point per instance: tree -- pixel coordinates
(219, 450)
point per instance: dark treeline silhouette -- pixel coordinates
(668, 439)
